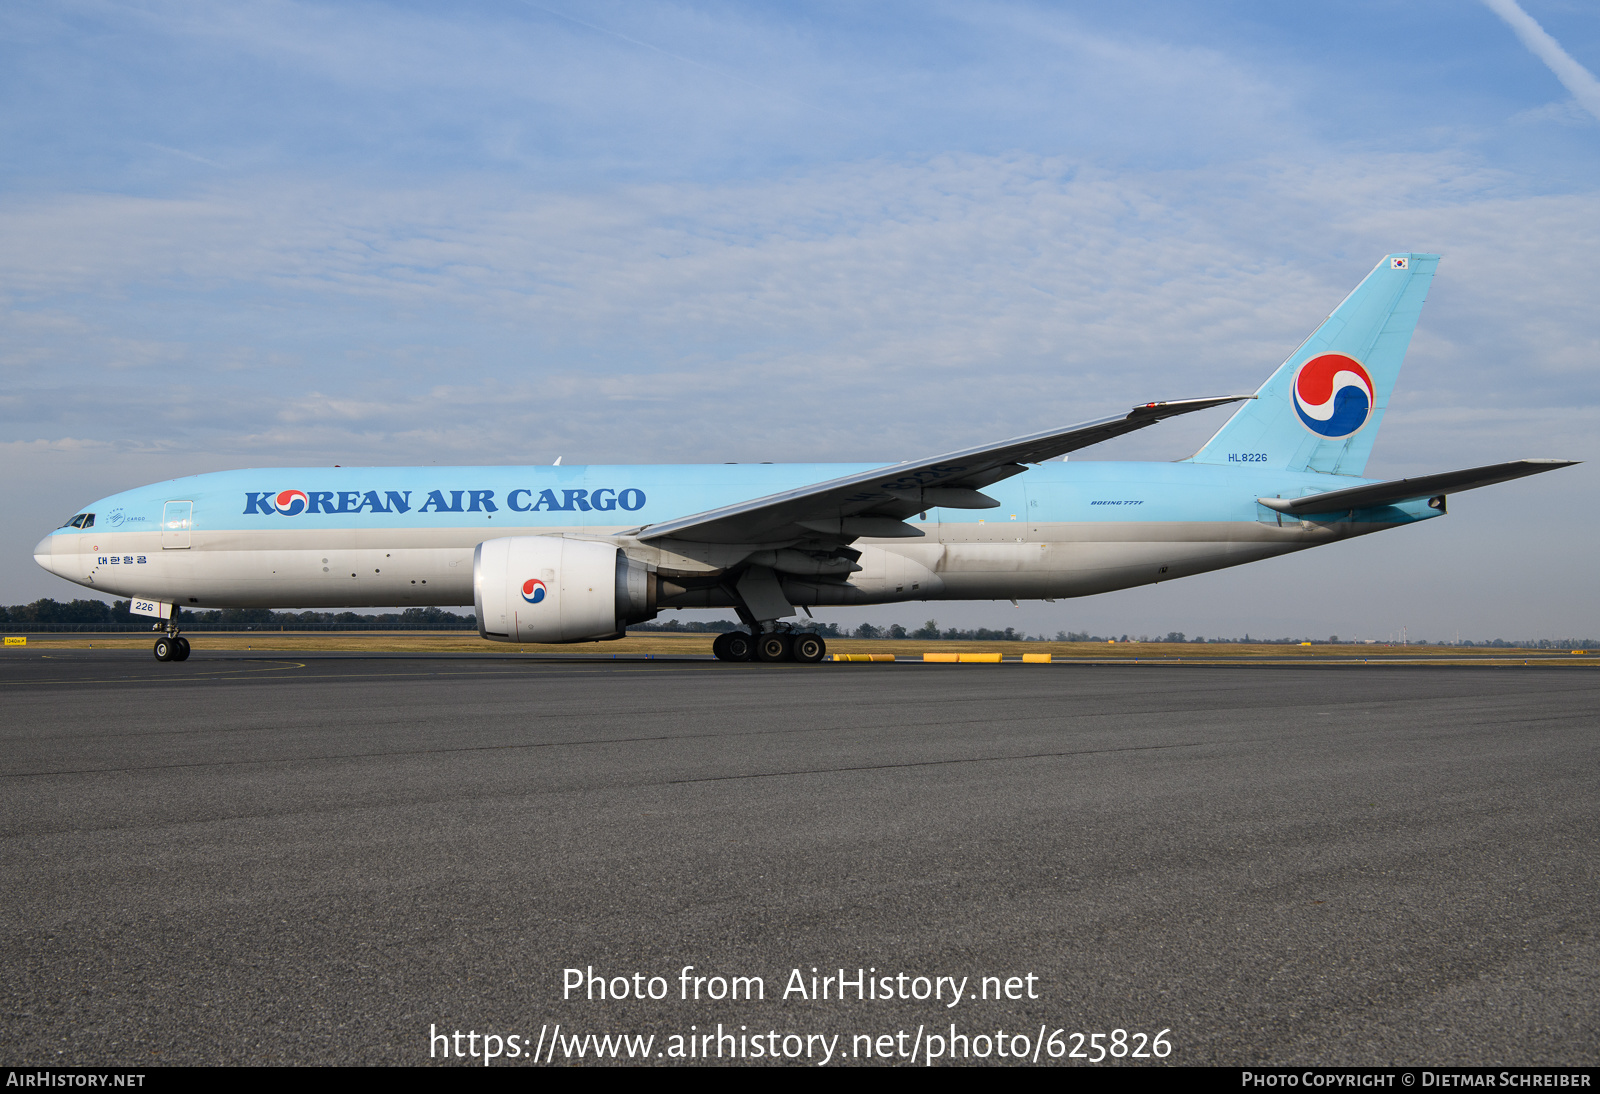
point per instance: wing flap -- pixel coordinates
(899, 490)
(1385, 493)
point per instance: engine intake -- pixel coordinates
(551, 589)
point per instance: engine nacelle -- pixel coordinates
(550, 589)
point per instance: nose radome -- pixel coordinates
(44, 553)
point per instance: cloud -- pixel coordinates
(673, 90)
(858, 312)
(1573, 76)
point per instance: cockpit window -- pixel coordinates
(81, 521)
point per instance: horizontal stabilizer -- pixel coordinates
(1385, 493)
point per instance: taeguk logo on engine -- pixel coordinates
(1333, 394)
(291, 503)
(533, 590)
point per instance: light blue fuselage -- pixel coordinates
(386, 536)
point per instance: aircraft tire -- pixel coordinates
(809, 648)
(776, 646)
(165, 649)
(182, 653)
(737, 647)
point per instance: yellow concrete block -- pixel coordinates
(880, 657)
(941, 657)
(985, 658)
(24, 642)
(1579, 652)
(1036, 658)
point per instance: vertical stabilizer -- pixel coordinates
(1321, 410)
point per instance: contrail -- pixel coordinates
(185, 155)
(1577, 79)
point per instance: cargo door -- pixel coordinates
(177, 519)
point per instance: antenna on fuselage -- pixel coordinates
(557, 463)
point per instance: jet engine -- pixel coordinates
(551, 589)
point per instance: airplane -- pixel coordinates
(578, 553)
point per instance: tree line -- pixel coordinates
(97, 615)
(932, 631)
(833, 630)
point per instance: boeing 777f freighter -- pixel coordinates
(576, 554)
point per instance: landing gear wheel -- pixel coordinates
(776, 646)
(809, 648)
(166, 649)
(182, 653)
(736, 646)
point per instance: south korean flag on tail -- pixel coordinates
(1399, 263)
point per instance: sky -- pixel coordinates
(275, 233)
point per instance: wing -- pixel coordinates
(1383, 493)
(875, 503)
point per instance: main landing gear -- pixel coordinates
(734, 646)
(759, 599)
(806, 647)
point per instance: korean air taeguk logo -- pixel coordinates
(291, 503)
(533, 590)
(1333, 394)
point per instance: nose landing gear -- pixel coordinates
(172, 649)
(171, 646)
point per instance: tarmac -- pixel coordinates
(329, 858)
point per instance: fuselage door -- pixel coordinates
(176, 521)
(1050, 505)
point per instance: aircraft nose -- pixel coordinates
(45, 553)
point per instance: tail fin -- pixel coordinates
(1321, 410)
